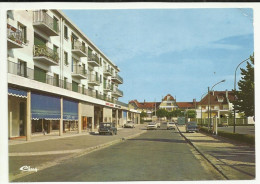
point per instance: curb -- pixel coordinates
(205, 157)
(80, 153)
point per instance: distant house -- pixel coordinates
(148, 107)
(221, 104)
(168, 103)
(187, 105)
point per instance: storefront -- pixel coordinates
(16, 112)
(45, 113)
(70, 115)
(87, 116)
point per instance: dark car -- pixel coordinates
(107, 128)
(191, 126)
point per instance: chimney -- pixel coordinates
(226, 93)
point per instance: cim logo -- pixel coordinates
(28, 169)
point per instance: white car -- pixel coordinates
(158, 124)
(170, 125)
(129, 124)
(152, 126)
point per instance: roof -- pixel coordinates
(186, 104)
(170, 97)
(216, 96)
(145, 105)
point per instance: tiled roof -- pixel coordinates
(170, 97)
(214, 100)
(145, 105)
(186, 104)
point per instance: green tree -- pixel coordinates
(143, 114)
(191, 114)
(161, 113)
(245, 99)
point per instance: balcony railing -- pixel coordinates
(45, 22)
(107, 87)
(14, 68)
(45, 52)
(79, 71)
(118, 79)
(107, 71)
(15, 36)
(93, 59)
(117, 92)
(93, 79)
(79, 49)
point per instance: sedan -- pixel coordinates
(129, 124)
(152, 126)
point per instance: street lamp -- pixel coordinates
(201, 106)
(234, 106)
(210, 101)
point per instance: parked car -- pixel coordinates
(152, 126)
(191, 126)
(170, 125)
(158, 124)
(107, 128)
(129, 124)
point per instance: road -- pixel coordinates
(239, 129)
(157, 155)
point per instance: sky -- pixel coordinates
(180, 52)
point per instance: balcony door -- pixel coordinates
(39, 75)
(39, 40)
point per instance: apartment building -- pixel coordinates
(58, 80)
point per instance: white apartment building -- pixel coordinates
(58, 80)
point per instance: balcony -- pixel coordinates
(117, 79)
(79, 72)
(45, 55)
(45, 23)
(79, 49)
(117, 92)
(93, 80)
(14, 38)
(107, 87)
(107, 71)
(93, 60)
(108, 99)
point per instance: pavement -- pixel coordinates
(233, 160)
(49, 150)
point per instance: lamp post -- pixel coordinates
(234, 106)
(201, 106)
(209, 98)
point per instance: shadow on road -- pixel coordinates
(159, 140)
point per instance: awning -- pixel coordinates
(70, 110)
(45, 107)
(17, 92)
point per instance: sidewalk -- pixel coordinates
(46, 151)
(235, 161)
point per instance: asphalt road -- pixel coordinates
(158, 155)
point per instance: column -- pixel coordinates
(126, 115)
(28, 117)
(61, 117)
(116, 118)
(79, 117)
(92, 123)
(139, 118)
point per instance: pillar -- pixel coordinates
(126, 115)
(116, 118)
(79, 117)
(139, 118)
(92, 124)
(28, 117)
(61, 117)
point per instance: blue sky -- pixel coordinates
(176, 51)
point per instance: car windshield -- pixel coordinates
(105, 125)
(171, 123)
(152, 123)
(129, 122)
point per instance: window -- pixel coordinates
(73, 40)
(65, 83)
(100, 78)
(39, 40)
(84, 68)
(66, 62)
(89, 52)
(83, 89)
(23, 30)
(83, 46)
(72, 63)
(56, 80)
(55, 24)
(22, 68)
(39, 74)
(65, 32)
(75, 86)
(55, 49)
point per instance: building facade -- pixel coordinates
(58, 80)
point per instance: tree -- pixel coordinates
(191, 114)
(244, 97)
(161, 113)
(143, 114)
